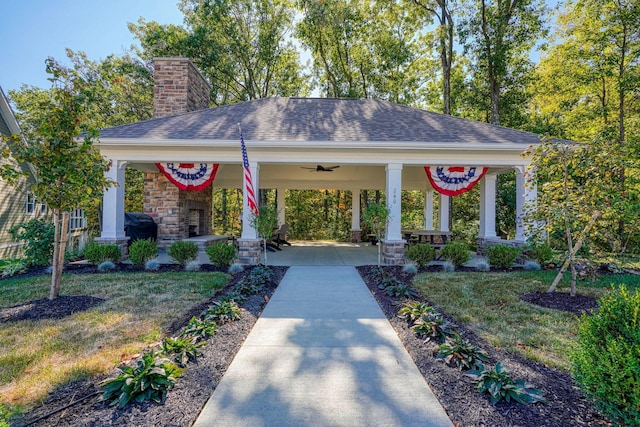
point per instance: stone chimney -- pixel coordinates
(179, 87)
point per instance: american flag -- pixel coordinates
(251, 195)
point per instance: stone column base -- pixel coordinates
(122, 242)
(356, 236)
(393, 252)
(249, 251)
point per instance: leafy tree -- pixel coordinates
(499, 34)
(122, 88)
(242, 46)
(442, 11)
(69, 172)
(362, 49)
(588, 86)
(577, 186)
(376, 217)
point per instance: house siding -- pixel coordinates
(13, 199)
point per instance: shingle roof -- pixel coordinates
(320, 119)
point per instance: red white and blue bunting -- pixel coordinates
(189, 176)
(454, 180)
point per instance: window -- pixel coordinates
(30, 207)
(77, 220)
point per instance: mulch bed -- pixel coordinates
(456, 392)
(75, 404)
(576, 304)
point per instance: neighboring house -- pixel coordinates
(376, 145)
(17, 203)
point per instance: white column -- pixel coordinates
(488, 206)
(526, 195)
(113, 203)
(248, 231)
(355, 209)
(280, 203)
(443, 212)
(394, 201)
(428, 209)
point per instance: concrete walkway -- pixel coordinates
(322, 354)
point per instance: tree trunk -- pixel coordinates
(61, 231)
(572, 254)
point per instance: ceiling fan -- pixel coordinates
(320, 168)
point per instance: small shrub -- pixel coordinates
(531, 266)
(388, 280)
(456, 252)
(150, 379)
(181, 350)
(409, 268)
(183, 252)
(253, 283)
(483, 266)
(221, 254)
(38, 236)
(13, 267)
(605, 362)
(460, 354)
(262, 274)
(96, 253)
(448, 267)
(502, 256)
(412, 311)
(192, 266)
(152, 265)
(223, 312)
(500, 386)
(422, 254)
(235, 268)
(197, 330)
(434, 327)
(401, 290)
(106, 267)
(542, 253)
(143, 250)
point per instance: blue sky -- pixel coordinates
(33, 30)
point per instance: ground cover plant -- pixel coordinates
(488, 306)
(75, 403)
(134, 310)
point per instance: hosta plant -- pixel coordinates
(412, 311)
(434, 328)
(500, 386)
(401, 290)
(181, 350)
(150, 379)
(223, 311)
(197, 330)
(460, 354)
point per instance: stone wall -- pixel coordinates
(179, 87)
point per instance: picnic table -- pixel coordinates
(435, 238)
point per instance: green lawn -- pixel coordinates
(489, 304)
(37, 356)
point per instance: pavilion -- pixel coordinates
(375, 143)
